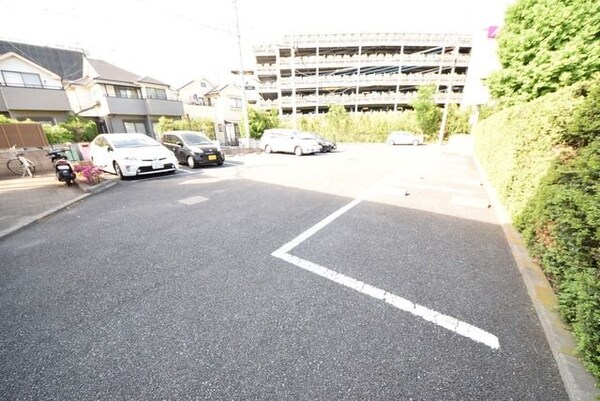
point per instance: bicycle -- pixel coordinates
(20, 165)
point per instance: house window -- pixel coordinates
(23, 79)
(203, 84)
(134, 126)
(127, 92)
(156, 93)
(235, 102)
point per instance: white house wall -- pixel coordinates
(15, 64)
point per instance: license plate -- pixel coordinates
(212, 157)
(157, 165)
(63, 167)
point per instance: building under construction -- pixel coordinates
(361, 71)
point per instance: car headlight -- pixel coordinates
(130, 159)
(196, 149)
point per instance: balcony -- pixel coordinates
(344, 81)
(347, 81)
(33, 99)
(141, 107)
(381, 39)
(433, 60)
(361, 99)
(162, 107)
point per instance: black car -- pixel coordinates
(325, 144)
(193, 148)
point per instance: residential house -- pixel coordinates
(223, 104)
(121, 101)
(30, 91)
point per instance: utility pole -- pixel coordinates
(242, 80)
(293, 54)
(448, 92)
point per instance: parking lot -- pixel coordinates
(373, 272)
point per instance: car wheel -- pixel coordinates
(415, 142)
(118, 169)
(268, 149)
(191, 162)
(298, 151)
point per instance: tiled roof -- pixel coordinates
(111, 72)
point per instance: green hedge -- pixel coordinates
(543, 158)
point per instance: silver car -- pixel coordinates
(404, 138)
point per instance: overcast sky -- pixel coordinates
(177, 41)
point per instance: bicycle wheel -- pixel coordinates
(14, 165)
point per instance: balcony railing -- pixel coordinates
(449, 59)
(364, 80)
(138, 106)
(368, 39)
(28, 98)
(361, 99)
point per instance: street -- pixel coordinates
(371, 273)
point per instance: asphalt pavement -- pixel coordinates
(245, 283)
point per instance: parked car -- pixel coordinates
(404, 138)
(193, 148)
(129, 155)
(325, 144)
(289, 141)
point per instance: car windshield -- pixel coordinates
(196, 139)
(134, 142)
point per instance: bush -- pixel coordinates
(75, 129)
(58, 134)
(543, 158)
(561, 224)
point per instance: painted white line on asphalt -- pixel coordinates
(456, 326)
(193, 200)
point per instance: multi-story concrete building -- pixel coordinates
(361, 71)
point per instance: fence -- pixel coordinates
(26, 135)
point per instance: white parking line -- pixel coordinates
(193, 200)
(447, 322)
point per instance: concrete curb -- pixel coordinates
(94, 189)
(89, 190)
(579, 383)
(40, 216)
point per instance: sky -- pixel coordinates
(177, 41)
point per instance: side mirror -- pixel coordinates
(180, 144)
(109, 149)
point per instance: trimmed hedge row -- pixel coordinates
(543, 158)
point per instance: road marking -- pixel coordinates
(439, 319)
(193, 200)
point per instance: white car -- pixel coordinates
(129, 155)
(289, 141)
(404, 138)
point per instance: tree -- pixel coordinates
(338, 119)
(428, 114)
(205, 125)
(546, 45)
(458, 120)
(260, 120)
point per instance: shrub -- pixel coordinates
(561, 224)
(543, 158)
